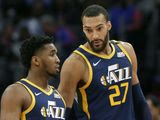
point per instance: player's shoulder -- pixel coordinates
(13, 88)
(129, 50)
(126, 45)
(74, 58)
(15, 91)
(74, 63)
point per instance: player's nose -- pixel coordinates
(57, 59)
(95, 35)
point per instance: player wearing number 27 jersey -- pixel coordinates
(103, 73)
(107, 94)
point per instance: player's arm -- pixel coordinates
(141, 108)
(11, 103)
(71, 73)
(128, 47)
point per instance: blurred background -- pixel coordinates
(134, 21)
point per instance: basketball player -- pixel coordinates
(32, 98)
(104, 74)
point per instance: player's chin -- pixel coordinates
(97, 48)
(54, 72)
(57, 71)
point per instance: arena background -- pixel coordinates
(134, 21)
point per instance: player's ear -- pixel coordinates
(35, 60)
(109, 25)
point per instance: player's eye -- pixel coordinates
(52, 54)
(99, 28)
(88, 30)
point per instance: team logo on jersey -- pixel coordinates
(115, 74)
(120, 54)
(52, 111)
(96, 63)
(37, 94)
(56, 95)
(103, 80)
(43, 112)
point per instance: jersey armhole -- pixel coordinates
(23, 114)
(82, 89)
(89, 68)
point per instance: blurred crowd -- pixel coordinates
(134, 21)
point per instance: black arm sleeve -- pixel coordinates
(141, 108)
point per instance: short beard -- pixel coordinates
(98, 50)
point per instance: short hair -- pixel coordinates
(30, 46)
(95, 10)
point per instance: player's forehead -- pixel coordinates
(91, 22)
(50, 47)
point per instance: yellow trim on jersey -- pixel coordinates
(82, 89)
(23, 114)
(99, 55)
(125, 52)
(47, 93)
(90, 69)
(60, 96)
(84, 102)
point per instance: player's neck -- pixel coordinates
(108, 50)
(38, 79)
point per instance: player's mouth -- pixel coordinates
(58, 68)
(97, 43)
